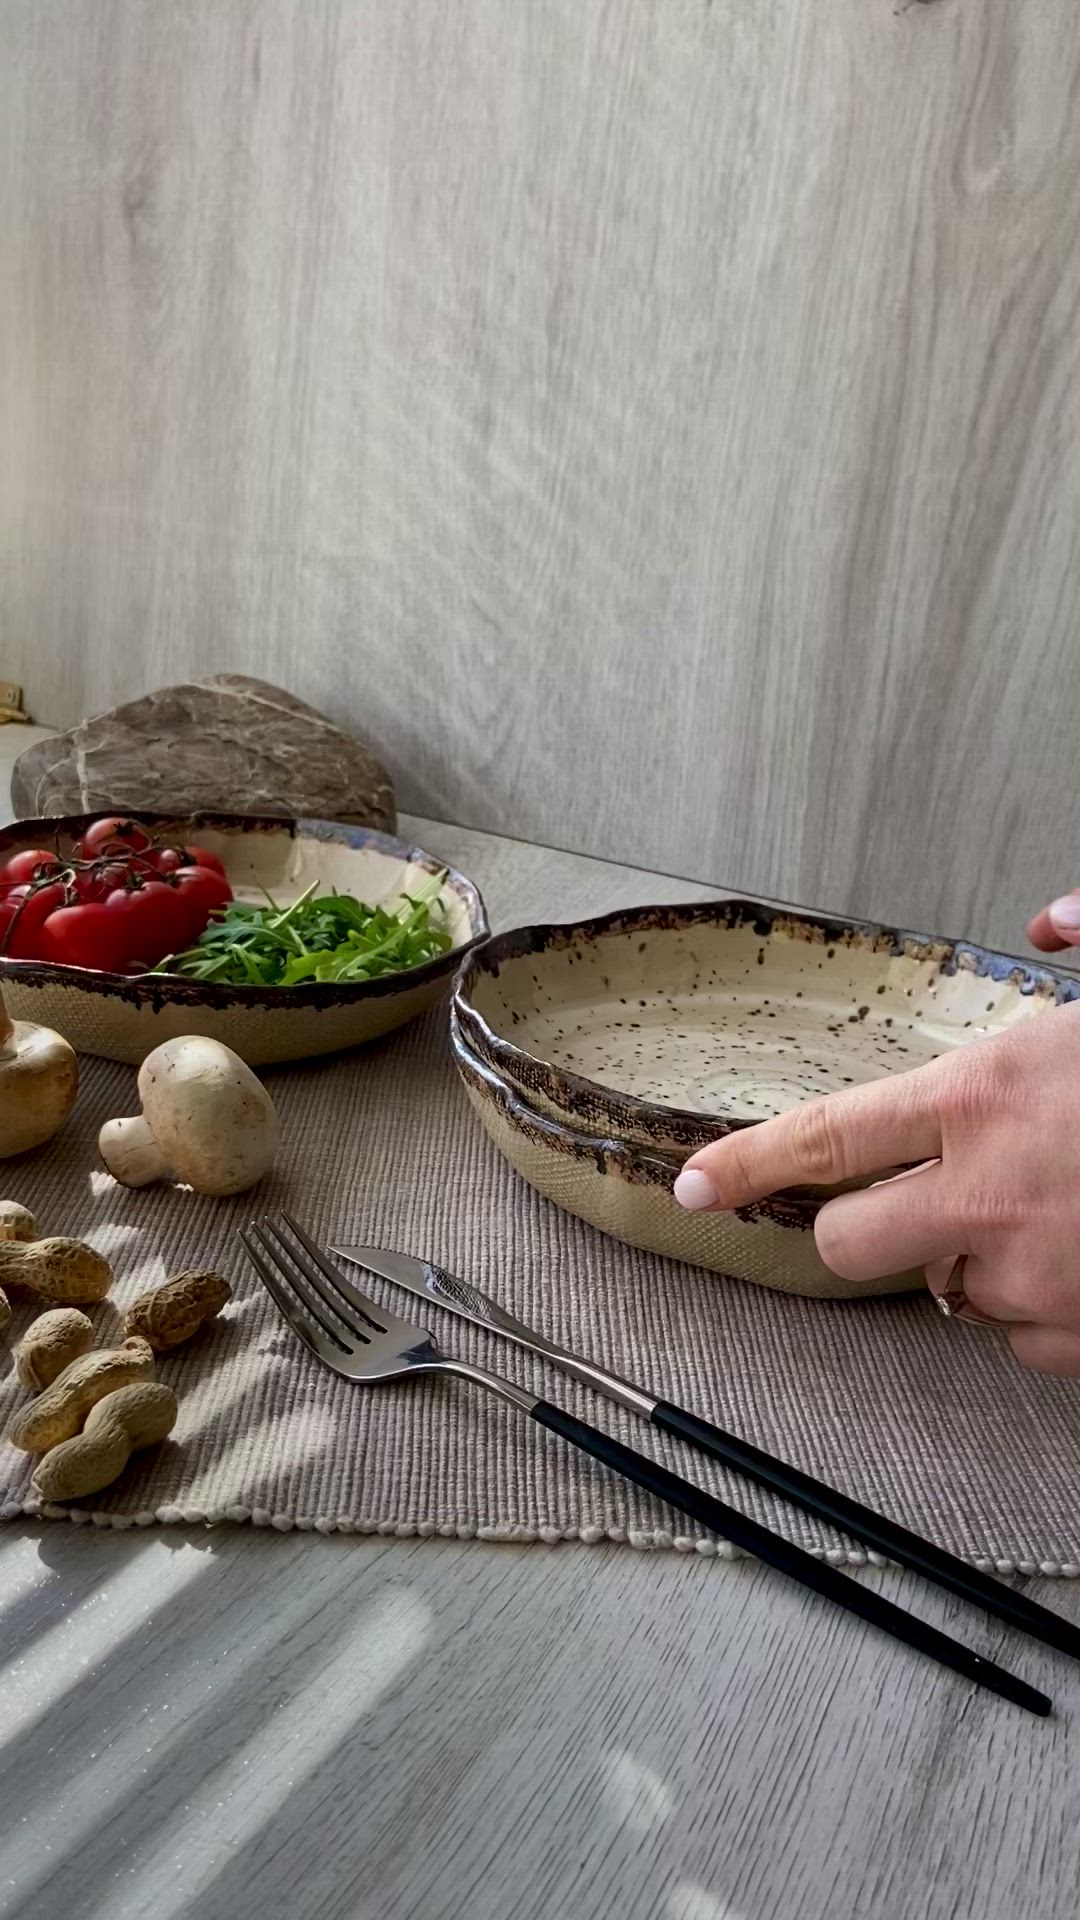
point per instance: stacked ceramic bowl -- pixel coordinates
(599, 1056)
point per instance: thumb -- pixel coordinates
(1058, 925)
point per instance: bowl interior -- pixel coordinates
(276, 863)
(742, 1014)
(283, 859)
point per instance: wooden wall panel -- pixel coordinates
(653, 424)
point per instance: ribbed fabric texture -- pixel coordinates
(926, 1419)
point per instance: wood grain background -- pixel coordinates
(652, 423)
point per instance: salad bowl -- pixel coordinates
(123, 1016)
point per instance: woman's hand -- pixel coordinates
(997, 1125)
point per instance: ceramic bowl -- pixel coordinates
(123, 1017)
(599, 1056)
(670, 1026)
(625, 1190)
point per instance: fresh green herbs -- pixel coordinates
(329, 938)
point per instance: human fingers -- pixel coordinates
(1046, 1349)
(1011, 1290)
(1057, 926)
(979, 1297)
(889, 1227)
(860, 1130)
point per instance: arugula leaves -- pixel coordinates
(330, 938)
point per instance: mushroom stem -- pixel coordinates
(206, 1121)
(7, 1033)
(131, 1153)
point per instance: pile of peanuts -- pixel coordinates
(95, 1407)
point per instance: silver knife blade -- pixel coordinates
(457, 1296)
(434, 1283)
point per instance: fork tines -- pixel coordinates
(295, 1272)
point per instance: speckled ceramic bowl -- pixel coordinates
(625, 1190)
(599, 1056)
(668, 1026)
(123, 1018)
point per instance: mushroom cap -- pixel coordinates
(211, 1117)
(39, 1078)
(17, 1222)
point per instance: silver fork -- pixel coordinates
(365, 1344)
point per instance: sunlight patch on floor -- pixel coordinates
(634, 1796)
(694, 1903)
(386, 1637)
(59, 1662)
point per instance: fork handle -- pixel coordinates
(787, 1558)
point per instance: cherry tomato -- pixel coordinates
(23, 867)
(97, 882)
(203, 857)
(201, 891)
(112, 835)
(87, 935)
(168, 859)
(30, 908)
(175, 859)
(155, 920)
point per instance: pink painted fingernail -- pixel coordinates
(1065, 913)
(694, 1190)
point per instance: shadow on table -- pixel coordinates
(228, 1673)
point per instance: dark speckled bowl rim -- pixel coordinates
(158, 990)
(595, 1104)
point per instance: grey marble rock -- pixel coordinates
(229, 743)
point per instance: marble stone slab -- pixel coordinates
(228, 742)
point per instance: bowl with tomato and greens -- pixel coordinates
(283, 938)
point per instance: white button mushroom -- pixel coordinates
(39, 1078)
(205, 1120)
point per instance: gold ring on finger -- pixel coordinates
(954, 1302)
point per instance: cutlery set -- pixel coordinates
(369, 1346)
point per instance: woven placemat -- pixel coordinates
(925, 1419)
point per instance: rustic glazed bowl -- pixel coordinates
(123, 1017)
(669, 1026)
(599, 1056)
(625, 1190)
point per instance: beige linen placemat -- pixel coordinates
(928, 1420)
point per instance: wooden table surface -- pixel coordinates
(245, 1724)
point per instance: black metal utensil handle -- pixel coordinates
(886, 1536)
(818, 1575)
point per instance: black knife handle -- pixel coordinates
(884, 1535)
(818, 1575)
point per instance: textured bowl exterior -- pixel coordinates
(123, 1018)
(261, 1035)
(626, 1192)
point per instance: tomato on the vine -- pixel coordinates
(203, 857)
(155, 920)
(201, 891)
(98, 881)
(30, 908)
(120, 902)
(87, 935)
(177, 859)
(33, 863)
(113, 835)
